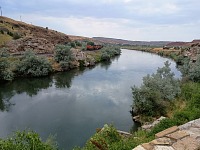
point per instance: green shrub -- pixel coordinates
(73, 44)
(32, 65)
(105, 56)
(90, 43)
(108, 139)
(16, 36)
(10, 33)
(63, 53)
(180, 60)
(64, 56)
(78, 43)
(194, 71)
(157, 90)
(108, 52)
(191, 69)
(5, 71)
(26, 140)
(164, 124)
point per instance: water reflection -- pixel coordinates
(73, 104)
(31, 86)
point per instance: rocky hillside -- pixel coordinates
(182, 44)
(19, 36)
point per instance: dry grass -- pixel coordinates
(179, 104)
(4, 38)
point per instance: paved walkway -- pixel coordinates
(184, 137)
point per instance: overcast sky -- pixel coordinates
(149, 20)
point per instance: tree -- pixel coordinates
(156, 92)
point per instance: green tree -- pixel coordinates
(32, 65)
(156, 92)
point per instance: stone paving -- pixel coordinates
(184, 137)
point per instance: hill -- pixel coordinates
(183, 44)
(127, 42)
(19, 36)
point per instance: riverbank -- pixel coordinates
(64, 58)
(184, 108)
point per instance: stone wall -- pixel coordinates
(184, 137)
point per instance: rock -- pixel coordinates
(161, 141)
(148, 127)
(177, 135)
(38, 45)
(136, 118)
(192, 128)
(158, 147)
(188, 143)
(158, 121)
(147, 146)
(167, 131)
(139, 148)
(123, 133)
(184, 137)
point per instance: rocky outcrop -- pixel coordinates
(149, 126)
(82, 58)
(38, 45)
(193, 52)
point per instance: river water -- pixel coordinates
(72, 105)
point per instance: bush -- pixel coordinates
(5, 71)
(108, 52)
(10, 33)
(108, 139)
(164, 124)
(16, 36)
(78, 43)
(32, 65)
(64, 56)
(156, 92)
(190, 69)
(73, 44)
(194, 70)
(26, 140)
(63, 53)
(90, 43)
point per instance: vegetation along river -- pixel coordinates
(72, 105)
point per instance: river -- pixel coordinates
(72, 105)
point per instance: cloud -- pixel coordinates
(128, 19)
